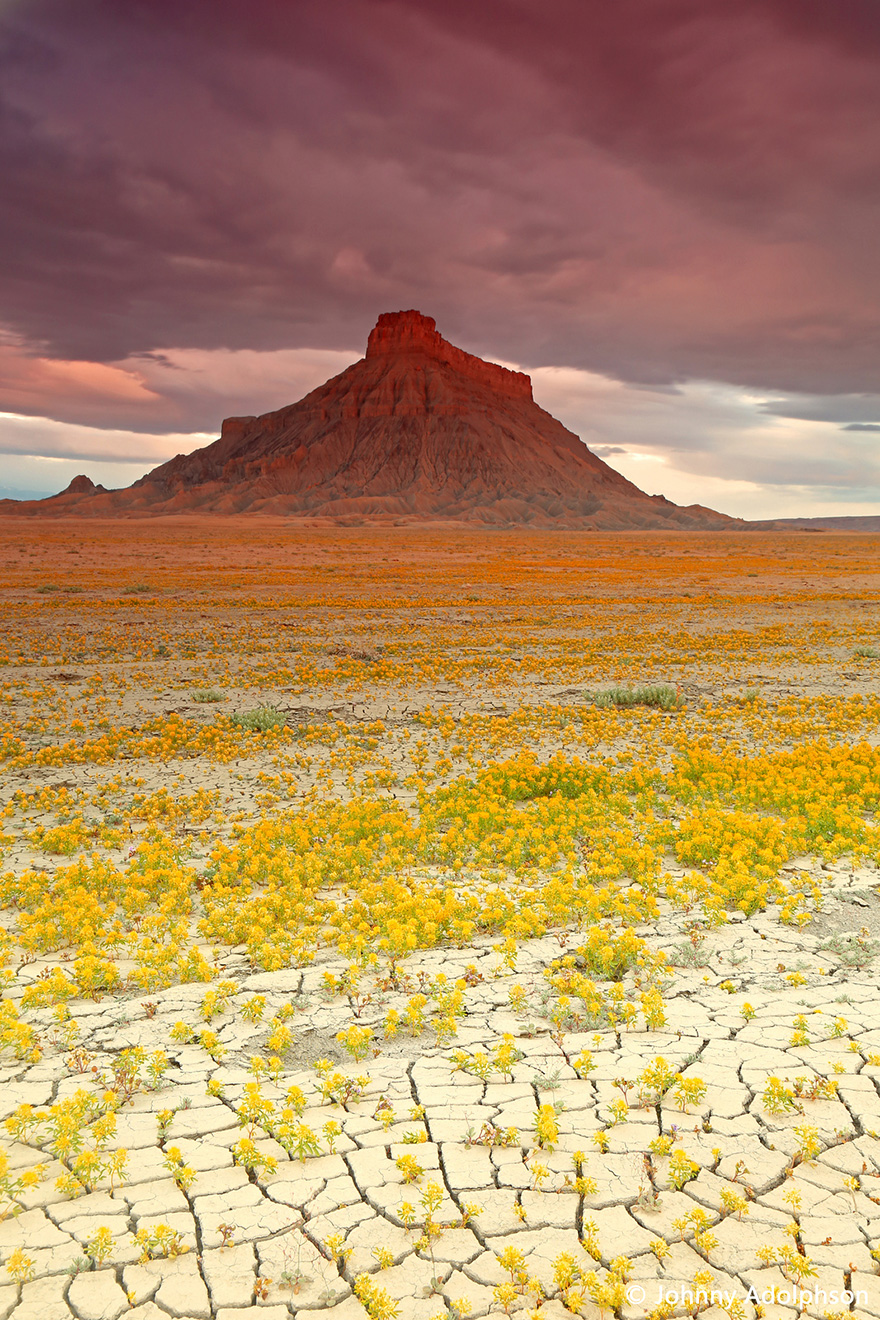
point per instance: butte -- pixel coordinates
(416, 431)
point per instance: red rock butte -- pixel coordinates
(417, 430)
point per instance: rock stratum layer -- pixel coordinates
(416, 430)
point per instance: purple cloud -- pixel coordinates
(205, 207)
(652, 189)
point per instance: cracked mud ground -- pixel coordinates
(546, 1153)
(450, 1121)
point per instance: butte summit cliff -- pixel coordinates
(417, 430)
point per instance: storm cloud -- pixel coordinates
(657, 192)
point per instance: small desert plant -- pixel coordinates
(545, 1126)
(375, 1300)
(260, 720)
(779, 1098)
(138, 588)
(867, 652)
(183, 1174)
(662, 695)
(852, 950)
(20, 1267)
(607, 954)
(689, 955)
(689, 1091)
(99, 1247)
(356, 1040)
(161, 1241)
(203, 695)
(681, 1169)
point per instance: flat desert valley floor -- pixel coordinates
(438, 923)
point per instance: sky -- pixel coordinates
(666, 211)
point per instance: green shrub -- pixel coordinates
(662, 695)
(207, 694)
(260, 720)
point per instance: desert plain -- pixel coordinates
(438, 922)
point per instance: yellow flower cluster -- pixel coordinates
(434, 768)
